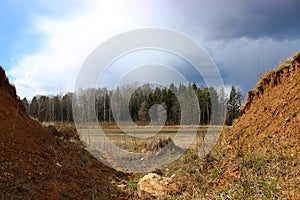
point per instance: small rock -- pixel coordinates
(58, 164)
(287, 119)
(292, 155)
(122, 186)
(53, 131)
(153, 186)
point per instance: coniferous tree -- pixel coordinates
(233, 105)
(26, 104)
(33, 108)
(67, 107)
(205, 105)
(214, 106)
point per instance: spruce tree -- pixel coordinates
(233, 105)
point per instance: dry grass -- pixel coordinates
(267, 174)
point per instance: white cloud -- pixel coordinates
(70, 39)
(68, 42)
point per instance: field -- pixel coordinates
(187, 137)
(246, 175)
(111, 140)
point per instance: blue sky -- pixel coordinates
(43, 45)
(17, 33)
(14, 22)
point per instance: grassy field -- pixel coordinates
(266, 174)
(130, 137)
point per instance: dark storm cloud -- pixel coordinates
(255, 19)
(244, 38)
(228, 19)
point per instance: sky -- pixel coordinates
(44, 45)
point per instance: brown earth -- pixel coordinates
(267, 135)
(36, 163)
(271, 114)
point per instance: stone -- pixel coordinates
(155, 186)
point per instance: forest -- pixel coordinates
(58, 108)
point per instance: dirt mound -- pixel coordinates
(271, 113)
(266, 138)
(43, 164)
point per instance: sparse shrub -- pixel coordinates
(85, 160)
(51, 149)
(132, 185)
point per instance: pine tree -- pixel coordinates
(233, 105)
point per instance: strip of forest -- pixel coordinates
(226, 108)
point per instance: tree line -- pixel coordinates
(215, 106)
